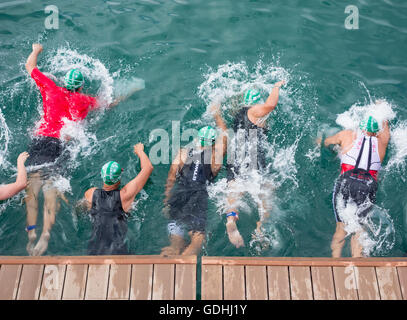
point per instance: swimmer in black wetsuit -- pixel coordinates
(186, 200)
(250, 120)
(109, 206)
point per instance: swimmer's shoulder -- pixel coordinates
(89, 194)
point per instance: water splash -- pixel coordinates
(93, 70)
(377, 234)
(381, 110)
(287, 125)
(4, 141)
(398, 149)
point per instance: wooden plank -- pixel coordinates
(118, 259)
(367, 283)
(185, 282)
(163, 282)
(30, 282)
(345, 283)
(75, 282)
(98, 280)
(314, 262)
(323, 283)
(141, 282)
(300, 282)
(278, 283)
(211, 282)
(402, 272)
(234, 283)
(53, 282)
(388, 283)
(256, 283)
(119, 282)
(9, 280)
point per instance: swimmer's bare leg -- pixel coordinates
(265, 207)
(51, 207)
(197, 238)
(31, 201)
(231, 227)
(356, 246)
(338, 240)
(176, 246)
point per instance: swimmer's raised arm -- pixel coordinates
(130, 190)
(221, 141)
(384, 134)
(261, 110)
(31, 63)
(176, 165)
(12, 189)
(383, 139)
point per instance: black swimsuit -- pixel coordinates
(242, 122)
(109, 224)
(189, 197)
(357, 185)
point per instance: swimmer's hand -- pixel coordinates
(138, 149)
(280, 84)
(22, 158)
(21, 181)
(215, 108)
(37, 47)
(318, 141)
(82, 207)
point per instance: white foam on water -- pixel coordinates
(92, 69)
(231, 79)
(381, 110)
(398, 149)
(377, 234)
(124, 87)
(62, 184)
(314, 153)
(284, 164)
(4, 141)
(81, 141)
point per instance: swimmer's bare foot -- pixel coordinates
(234, 235)
(32, 236)
(170, 251)
(197, 238)
(42, 244)
(191, 251)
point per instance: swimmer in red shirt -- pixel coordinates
(59, 104)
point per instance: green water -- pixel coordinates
(174, 46)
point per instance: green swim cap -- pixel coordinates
(370, 125)
(207, 136)
(74, 80)
(251, 96)
(111, 173)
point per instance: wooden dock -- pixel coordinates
(222, 278)
(237, 278)
(98, 278)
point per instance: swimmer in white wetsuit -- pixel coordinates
(361, 156)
